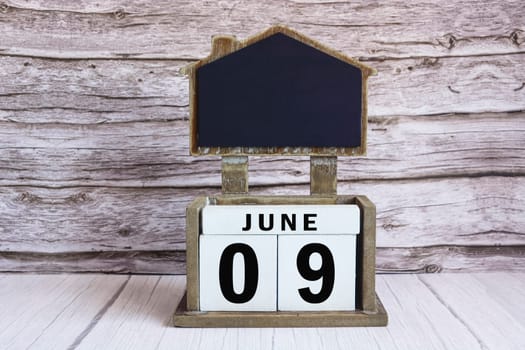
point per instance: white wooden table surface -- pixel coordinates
(434, 311)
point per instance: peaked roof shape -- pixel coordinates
(227, 70)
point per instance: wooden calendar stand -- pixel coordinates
(341, 78)
(369, 312)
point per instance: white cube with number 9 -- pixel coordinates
(316, 272)
(238, 272)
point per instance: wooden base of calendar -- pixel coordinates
(215, 319)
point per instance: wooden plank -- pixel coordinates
(109, 261)
(217, 338)
(93, 219)
(506, 289)
(48, 229)
(174, 29)
(92, 91)
(139, 317)
(85, 312)
(444, 85)
(431, 259)
(450, 258)
(484, 210)
(493, 325)
(417, 319)
(105, 91)
(157, 153)
(50, 311)
(55, 220)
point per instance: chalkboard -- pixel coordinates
(279, 92)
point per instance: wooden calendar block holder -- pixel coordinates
(369, 309)
(229, 91)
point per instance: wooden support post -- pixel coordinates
(234, 174)
(192, 253)
(367, 255)
(323, 175)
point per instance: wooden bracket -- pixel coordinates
(323, 175)
(234, 174)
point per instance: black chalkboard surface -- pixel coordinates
(278, 92)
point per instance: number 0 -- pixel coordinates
(326, 272)
(251, 273)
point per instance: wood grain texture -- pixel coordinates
(434, 85)
(153, 154)
(423, 321)
(92, 219)
(91, 91)
(506, 290)
(501, 329)
(486, 233)
(486, 210)
(50, 311)
(108, 261)
(431, 259)
(182, 29)
(104, 91)
(139, 317)
(450, 258)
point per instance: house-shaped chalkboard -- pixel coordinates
(277, 93)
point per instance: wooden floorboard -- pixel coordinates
(507, 290)
(140, 316)
(483, 308)
(51, 311)
(87, 311)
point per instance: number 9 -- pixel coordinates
(326, 272)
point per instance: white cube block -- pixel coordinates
(238, 273)
(316, 272)
(281, 219)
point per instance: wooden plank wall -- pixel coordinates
(94, 165)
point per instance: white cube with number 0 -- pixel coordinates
(238, 272)
(316, 272)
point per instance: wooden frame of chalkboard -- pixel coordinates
(225, 45)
